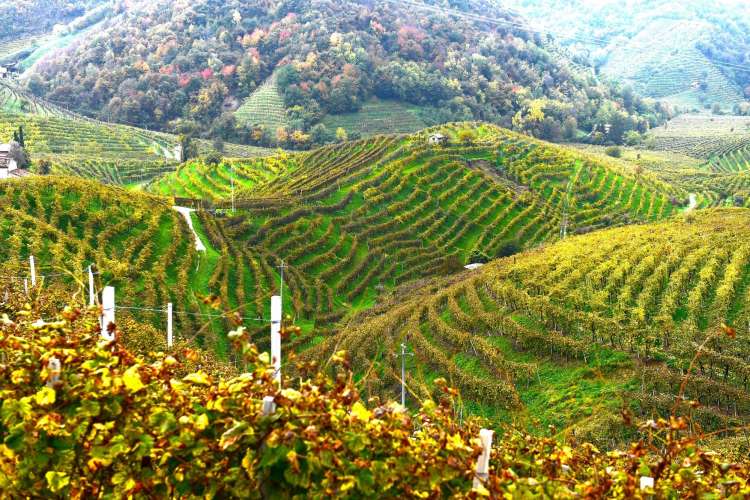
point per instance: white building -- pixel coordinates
(8, 164)
(437, 139)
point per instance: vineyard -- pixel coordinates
(353, 221)
(264, 107)
(379, 117)
(213, 182)
(138, 243)
(670, 67)
(703, 136)
(632, 305)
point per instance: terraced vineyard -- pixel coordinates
(703, 136)
(668, 67)
(607, 320)
(264, 107)
(214, 183)
(379, 117)
(138, 243)
(353, 221)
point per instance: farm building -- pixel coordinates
(437, 139)
(8, 163)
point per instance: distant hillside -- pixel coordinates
(571, 334)
(24, 17)
(690, 54)
(76, 145)
(177, 67)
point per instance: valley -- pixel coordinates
(453, 218)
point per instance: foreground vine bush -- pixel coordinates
(111, 424)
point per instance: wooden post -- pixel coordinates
(483, 462)
(33, 271)
(276, 336)
(169, 325)
(108, 312)
(92, 294)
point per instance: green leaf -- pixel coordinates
(233, 435)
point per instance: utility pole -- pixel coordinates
(231, 178)
(403, 373)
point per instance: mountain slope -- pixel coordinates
(687, 53)
(160, 62)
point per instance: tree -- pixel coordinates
(341, 135)
(44, 167)
(466, 136)
(188, 149)
(212, 158)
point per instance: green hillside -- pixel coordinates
(355, 220)
(379, 117)
(140, 245)
(264, 107)
(574, 332)
(76, 145)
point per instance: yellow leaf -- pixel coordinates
(57, 481)
(201, 422)
(199, 378)
(132, 379)
(359, 411)
(45, 396)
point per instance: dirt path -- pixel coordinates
(186, 212)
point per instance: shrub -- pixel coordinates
(613, 151)
(477, 256)
(508, 248)
(212, 158)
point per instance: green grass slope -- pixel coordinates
(572, 333)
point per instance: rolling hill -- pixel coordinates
(355, 220)
(92, 149)
(571, 333)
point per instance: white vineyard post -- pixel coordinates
(276, 336)
(33, 271)
(54, 368)
(483, 462)
(26, 285)
(269, 406)
(108, 312)
(92, 294)
(169, 326)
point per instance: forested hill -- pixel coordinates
(21, 17)
(188, 65)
